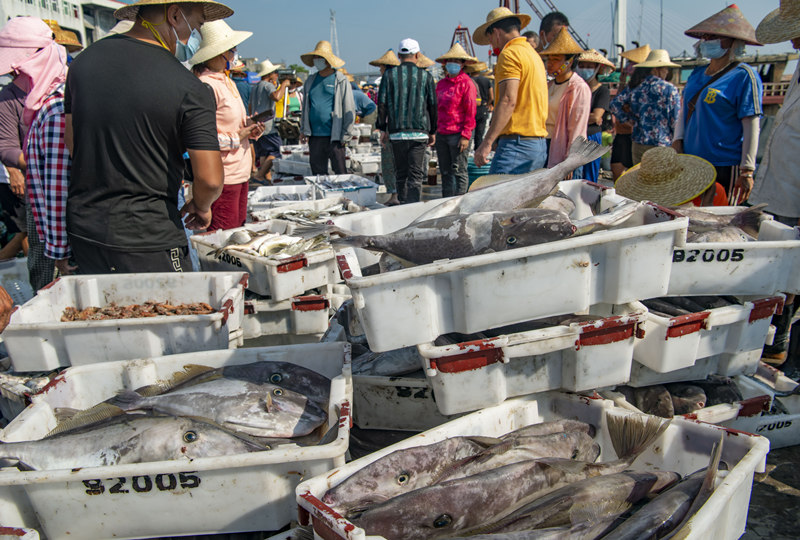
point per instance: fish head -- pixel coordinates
(529, 227)
(279, 409)
(289, 376)
(586, 448)
(186, 437)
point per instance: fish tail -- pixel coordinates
(631, 434)
(582, 151)
(750, 220)
(350, 241)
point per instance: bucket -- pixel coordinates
(474, 172)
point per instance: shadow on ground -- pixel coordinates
(775, 500)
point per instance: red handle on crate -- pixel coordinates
(683, 325)
(485, 353)
(226, 310)
(605, 331)
(766, 307)
(293, 263)
(313, 302)
(245, 280)
(344, 268)
(754, 406)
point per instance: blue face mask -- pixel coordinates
(184, 51)
(453, 68)
(585, 73)
(711, 49)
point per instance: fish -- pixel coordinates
(388, 364)
(655, 399)
(518, 191)
(559, 201)
(588, 530)
(272, 245)
(719, 390)
(548, 428)
(686, 398)
(129, 438)
(466, 504)
(700, 220)
(724, 234)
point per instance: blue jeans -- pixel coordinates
(518, 156)
(591, 171)
(192, 252)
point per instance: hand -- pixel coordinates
(384, 139)
(196, 219)
(303, 139)
(742, 187)
(570, 175)
(463, 145)
(432, 139)
(258, 130)
(482, 154)
(245, 132)
(6, 308)
(677, 144)
(64, 268)
(17, 181)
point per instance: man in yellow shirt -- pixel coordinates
(520, 112)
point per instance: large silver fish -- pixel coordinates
(701, 220)
(129, 438)
(722, 234)
(519, 191)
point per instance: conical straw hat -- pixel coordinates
(265, 68)
(666, 177)
(657, 58)
(323, 50)
(497, 14)
(218, 37)
(781, 24)
(388, 59)
(457, 52)
(729, 22)
(595, 57)
(424, 62)
(213, 11)
(64, 37)
(477, 67)
(563, 44)
(637, 55)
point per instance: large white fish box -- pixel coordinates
(366, 163)
(15, 392)
(325, 207)
(15, 279)
(37, 340)
(358, 189)
(265, 197)
(277, 278)
(236, 493)
(726, 340)
(577, 356)
(767, 266)
(300, 315)
(684, 448)
(470, 294)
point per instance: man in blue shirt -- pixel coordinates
(364, 106)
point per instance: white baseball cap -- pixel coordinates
(408, 46)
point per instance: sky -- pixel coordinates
(282, 31)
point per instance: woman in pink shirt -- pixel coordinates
(234, 129)
(456, 99)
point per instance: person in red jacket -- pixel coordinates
(456, 97)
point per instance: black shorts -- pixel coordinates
(94, 259)
(622, 150)
(269, 144)
(14, 214)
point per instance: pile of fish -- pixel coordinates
(668, 400)
(272, 245)
(283, 197)
(350, 182)
(134, 311)
(705, 226)
(199, 412)
(341, 207)
(540, 481)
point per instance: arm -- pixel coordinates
(617, 106)
(491, 98)
(206, 188)
(600, 107)
(433, 109)
(10, 143)
(277, 95)
(348, 113)
(68, 134)
(507, 92)
(674, 110)
(469, 105)
(744, 182)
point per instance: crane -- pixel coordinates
(334, 34)
(462, 36)
(541, 14)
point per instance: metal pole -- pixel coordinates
(661, 30)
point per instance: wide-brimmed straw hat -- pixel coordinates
(218, 38)
(781, 24)
(563, 44)
(666, 177)
(388, 59)
(729, 22)
(323, 50)
(637, 55)
(424, 62)
(594, 56)
(64, 37)
(657, 58)
(477, 67)
(213, 11)
(457, 52)
(497, 14)
(265, 68)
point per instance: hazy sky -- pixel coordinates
(284, 30)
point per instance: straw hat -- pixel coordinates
(657, 58)
(218, 37)
(637, 55)
(120, 28)
(424, 62)
(726, 23)
(666, 177)
(265, 68)
(477, 67)
(563, 44)
(323, 50)
(238, 67)
(497, 14)
(781, 24)
(593, 56)
(388, 59)
(213, 11)
(64, 37)
(457, 52)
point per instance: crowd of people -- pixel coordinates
(94, 173)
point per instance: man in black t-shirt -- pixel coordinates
(485, 99)
(132, 111)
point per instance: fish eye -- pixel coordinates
(442, 521)
(277, 392)
(275, 378)
(575, 454)
(511, 240)
(190, 436)
(403, 478)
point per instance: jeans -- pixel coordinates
(409, 166)
(387, 168)
(192, 252)
(481, 116)
(591, 171)
(322, 149)
(518, 156)
(452, 164)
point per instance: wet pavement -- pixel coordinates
(775, 500)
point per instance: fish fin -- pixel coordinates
(750, 220)
(125, 400)
(191, 374)
(612, 217)
(485, 441)
(315, 229)
(581, 152)
(98, 413)
(492, 179)
(63, 414)
(631, 434)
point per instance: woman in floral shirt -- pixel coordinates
(653, 105)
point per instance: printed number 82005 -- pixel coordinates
(144, 484)
(707, 255)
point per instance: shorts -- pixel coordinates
(14, 214)
(269, 144)
(622, 150)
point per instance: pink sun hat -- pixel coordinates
(20, 38)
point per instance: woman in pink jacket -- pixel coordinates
(456, 101)
(234, 129)
(570, 98)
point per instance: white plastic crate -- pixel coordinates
(731, 336)
(684, 448)
(17, 533)
(15, 392)
(319, 205)
(15, 279)
(364, 130)
(265, 197)
(579, 356)
(366, 163)
(295, 166)
(765, 267)
(364, 194)
(37, 340)
(299, 315)
(471, 294)
(246, 492)
(279, 279)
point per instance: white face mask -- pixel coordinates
(320, 63)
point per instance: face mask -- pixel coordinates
(320, 64)
(585, 73)
(453, 68)
(184, 51)
(232, 61)
(562, 68)
(711, 49)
